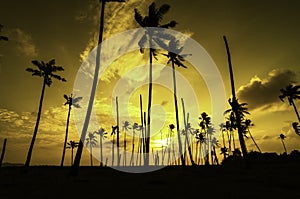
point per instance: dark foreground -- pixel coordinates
(272, 180)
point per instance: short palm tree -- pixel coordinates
(70, 101)
(153, 19)
(72, 145)
(282, 138)
(246, 124)
(47, 72)
(102, 135)
(91, 141)
(126, 127)
(292, 93)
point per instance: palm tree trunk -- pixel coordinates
(147, 140)
(72, 152)
(66, 138)
(254, 141)
(177, 115)
(142, 129)
(3, 152)
(283, 146)
(101, 154)
(118, 132)
(296, 111)
(234, 101)
(36, 125)
(91, 154)
(186, 133)
(92, 96)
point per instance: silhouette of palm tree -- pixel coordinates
(296, 128)
(72, 145)
(247, 123)
(91, 142)
(102, 135)
(282, 138)
(70, 101)
(126, 127)
(205, 127)
(234, 103)
(47, 72)
(94, 87)
(113, 133)
(4, 38)
(153, 19)
(292, 93)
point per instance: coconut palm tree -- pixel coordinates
(70, 101)
(247, 123)
(234, 103)
(113, 133)
(4, 38)
(47, 72)
(282, 138)
(72, 145)
(126, 127)
(153, 19)
(94, 87)
(91, 141)
(291, 92)
(102, 135)
(205, 125)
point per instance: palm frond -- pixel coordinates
(171, 24)
(162, 11)
(66, 97)
(40, 65)
(142, 43)
(138, 18)
(4, 38)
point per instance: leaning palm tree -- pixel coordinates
(47, 72)
(234, 103)
(70, 101)
(153, 19)
(4, 38)
(72, 145)
(93, 90)
(91, 141)
(282, 138)
(102, 135)
(292, 93)
(247, 123)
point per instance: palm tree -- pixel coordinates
(93, 90)
(4, 38)
(234, 102)
(296, 128)
(126, 127)
(113, 133)
(47, 72)
(3, 152)
(282, 138)
(247, 123)
(72, 145)
(91, 142)
(70, 101)
(292, 93)
(153, 19)
(205, 125)
(102, 135)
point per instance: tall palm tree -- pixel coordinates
(102, 135)
(282, 138)
(234, 103)
(72, 145)
(70, 101)
(47, 72)
(91, 141)
(292, 93)
(153, 19)
(4, 38)
(93, 90)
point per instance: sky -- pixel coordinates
(263, 38)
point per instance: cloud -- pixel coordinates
(24, 42)
(263, 93)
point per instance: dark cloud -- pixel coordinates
(260, 93)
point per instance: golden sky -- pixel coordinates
(263, 37)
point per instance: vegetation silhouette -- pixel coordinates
(102, 135)
(91, 142)
(72, 145)
(291, 92)
(93, 90)
(153, 19)
(282, 138)
(4, 38)
(70, 101)
(47, 72)
(3, 152)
